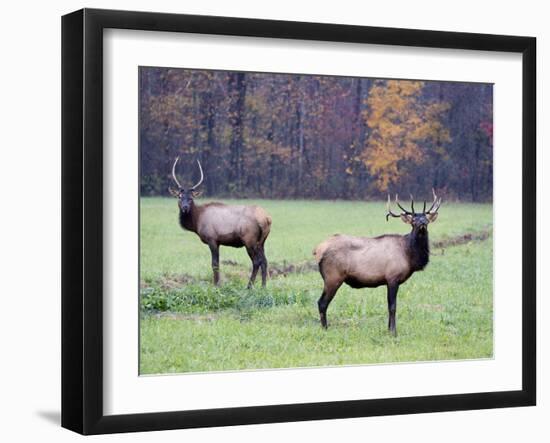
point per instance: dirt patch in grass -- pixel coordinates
(175, 281)
(462, 239)
(281, 269)
(230, 263)
(276, 270)
(171, 282)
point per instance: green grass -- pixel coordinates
(187, 324)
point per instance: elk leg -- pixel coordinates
(392, 305)
(326, 297)
(215, 250)
(256, 258)
(263, 265)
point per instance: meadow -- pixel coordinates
(188, 325)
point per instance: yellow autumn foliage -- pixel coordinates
(401, 126)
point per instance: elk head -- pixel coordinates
(418, 220)
(185, 196)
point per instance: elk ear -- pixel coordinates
(174, 192)
(432, 217)
(197, 194)
(406, 218)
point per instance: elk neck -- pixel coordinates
(190, 219)
(418, 249)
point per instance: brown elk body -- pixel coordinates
(218, 224)
(369, 262)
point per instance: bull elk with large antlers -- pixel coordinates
(218, 224)
(363, 262)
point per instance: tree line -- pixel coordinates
(311, 136)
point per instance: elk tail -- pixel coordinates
(320, 250)
(264, 223)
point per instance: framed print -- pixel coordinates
(269, 221)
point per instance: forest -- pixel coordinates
(292, 136)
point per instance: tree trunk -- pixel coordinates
(300, 124)
(236, 118)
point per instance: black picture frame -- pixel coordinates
(82, 218)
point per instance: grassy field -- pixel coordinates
(187, 324)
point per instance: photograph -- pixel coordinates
(292, 220)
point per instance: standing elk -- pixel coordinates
(363, 262)
(218, 224)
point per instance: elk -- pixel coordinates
(363, 262)
(218, 224)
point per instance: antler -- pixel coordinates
(433, 209)
(174, 172)
(435, 204)
(402, 208)
(390, 211)
(176, 180)
(202, 176)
